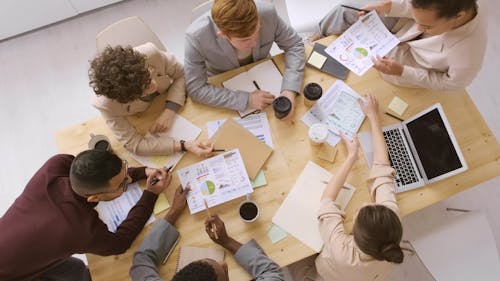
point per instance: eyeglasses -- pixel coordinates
(124, 184)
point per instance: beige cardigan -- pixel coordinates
(340, 258)
(169, 76)
(449, 61)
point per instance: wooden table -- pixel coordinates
(291, 153)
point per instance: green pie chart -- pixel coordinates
(360, 53)
(207, 188)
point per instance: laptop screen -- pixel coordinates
(433, 144)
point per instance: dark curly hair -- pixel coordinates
(196, 271)
(119, 73)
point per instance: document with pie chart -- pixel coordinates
(217, 180)
(366, 38)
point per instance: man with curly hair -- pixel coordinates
(126, 81)
(162, 238)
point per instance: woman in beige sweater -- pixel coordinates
(372, 250)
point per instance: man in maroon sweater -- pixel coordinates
(54, 217)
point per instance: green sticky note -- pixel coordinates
(275, 233)
(259, 180)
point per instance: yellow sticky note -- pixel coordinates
(162, 204)
(398, 105)
(317, 60)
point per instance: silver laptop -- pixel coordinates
(422, 149)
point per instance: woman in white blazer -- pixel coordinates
(442, 41)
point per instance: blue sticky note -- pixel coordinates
(276, 234)
(259, 180)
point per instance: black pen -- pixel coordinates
(256, 85)
(356, 9)
(170, 168)
(155, 180)
(218, 150)
(394, 116)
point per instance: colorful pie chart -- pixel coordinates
(207, 188)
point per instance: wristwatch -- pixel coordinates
(183, 146)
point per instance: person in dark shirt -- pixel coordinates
(54, 217)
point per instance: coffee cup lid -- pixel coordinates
(282, 105)
(313, 91)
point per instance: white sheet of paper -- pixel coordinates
(257, 124)
(114, 212)
(182, 129)
(299, 209)
(366, 38)
(265, 74)
(217, 180)
(339, 110)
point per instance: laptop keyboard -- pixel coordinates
(400, 159)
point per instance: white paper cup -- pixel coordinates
(318, 133)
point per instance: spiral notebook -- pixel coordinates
(189, 254)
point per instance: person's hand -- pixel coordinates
(382, 8)
(351, 145)
(291, 96)
(369, 106)
(158, 180)
(178, 205)
(260, 99)
(215, 224)
(163, 122)
(199, 148)
(387, 66)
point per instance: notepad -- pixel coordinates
(189, 254)
(254, 152)
(300, 208)
(324, 62)
(265, 74)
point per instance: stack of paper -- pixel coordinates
(299, 210)
(215, 180)
(114, 212)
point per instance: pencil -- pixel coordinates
(214, 228)
(218, 150)
(394, 116)
(356, 9)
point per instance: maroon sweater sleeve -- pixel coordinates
(108, 243)
(137, 173)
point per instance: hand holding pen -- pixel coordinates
(159, 180)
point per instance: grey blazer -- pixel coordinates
(161, 240)
(207, 54)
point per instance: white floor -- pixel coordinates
(44, 88)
